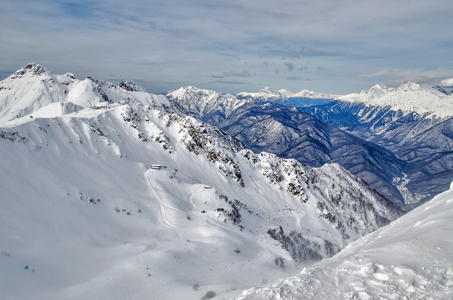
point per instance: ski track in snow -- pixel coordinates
(163, 206)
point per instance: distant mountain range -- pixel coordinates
(287, 98)
(412, 121)
(396, 139)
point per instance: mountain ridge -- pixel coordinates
(127, 190)
(408, 97)
(269, 94)
(389, 118)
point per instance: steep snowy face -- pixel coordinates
(136, 198)
(410, 258)
(408, 97)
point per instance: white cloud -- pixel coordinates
(447, 82)
(191, 40)
(243, 73)
(417, 75)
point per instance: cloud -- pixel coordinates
(243, 73)
(190, 41)
(235, 82)
(290, 66)
(417, 75)
(447, 82)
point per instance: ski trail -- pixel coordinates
(162, 204)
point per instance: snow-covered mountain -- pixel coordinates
(400, 144)
(288, 98)
(413, 121)
(407, 98)
(207, 104)
(214, 107)
(408, 259)
(289, 133)
(269, 94)
(109, 192)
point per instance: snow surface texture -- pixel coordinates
(409, 259)
(113, 193)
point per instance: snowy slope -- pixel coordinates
(124, 196)
(409, 259)
(408, 97)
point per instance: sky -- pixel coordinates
(328, 46)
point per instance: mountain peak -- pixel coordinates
(412, 86)
(31, 69)
(376, 91)
(268, 90)
(131, 86)
(190, 91)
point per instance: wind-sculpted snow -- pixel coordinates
(408, 259)
(122, 195)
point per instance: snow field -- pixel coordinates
(408, 259)
(78, 247)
